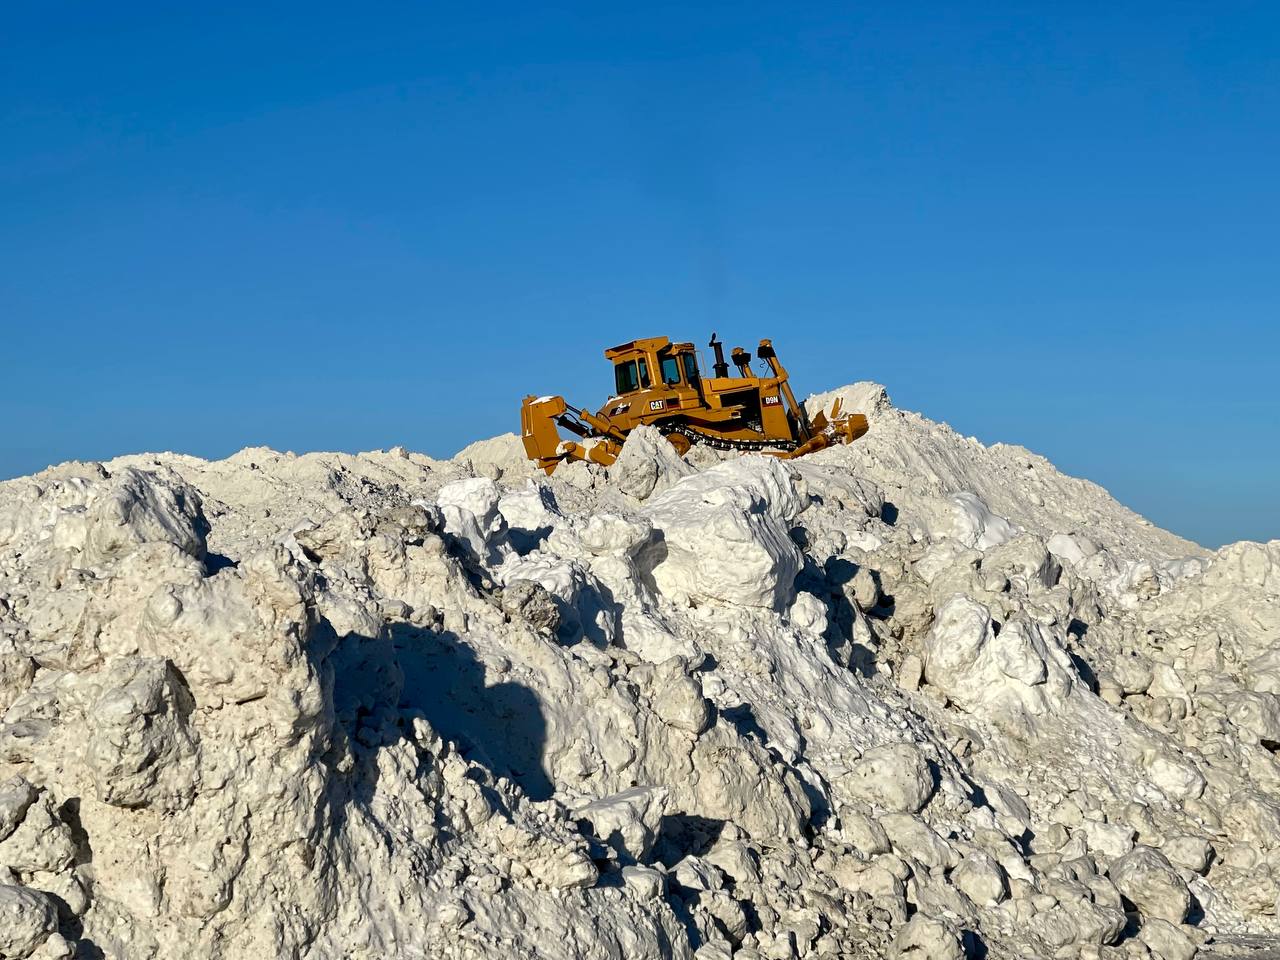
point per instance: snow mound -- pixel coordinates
(914, 697)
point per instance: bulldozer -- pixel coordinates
(659, 383)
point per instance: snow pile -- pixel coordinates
(913, 698)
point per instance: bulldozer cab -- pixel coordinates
(680, 367)
(631, 375)
(653, 363)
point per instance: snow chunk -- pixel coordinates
(893, 777)
(1071, 548)
(724, 535)
(140, 745)
(925, 938)
(16, 797)
(531, 513)
(1013, 675)
(648, 464)
(470, 510)
(27, 919)
(1149, 881)
(628, 821)
(133, 507)
(974, 525)
(584, 607)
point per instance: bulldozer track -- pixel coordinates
(724, 443)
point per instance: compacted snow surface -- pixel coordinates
(914, 698)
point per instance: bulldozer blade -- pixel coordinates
(824, 419)
(842, 431)
(539, 417)
(852, 427)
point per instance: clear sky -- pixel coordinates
(350, 226)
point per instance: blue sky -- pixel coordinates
(334, 226)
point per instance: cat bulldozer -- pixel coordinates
(659, 383)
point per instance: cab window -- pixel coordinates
(625, 374)
(670, 371)
(644, 373)
(690, 367)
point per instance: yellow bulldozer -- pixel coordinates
(658, 383)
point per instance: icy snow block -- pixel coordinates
(140, 744)
(648, 464)
(140, 506)
(470, 510)
(974, 525)
(627, 821)
(27, 919)
(893, 777)
(578, 597)
(926, 938)
(724, 535)
(1146, 879)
